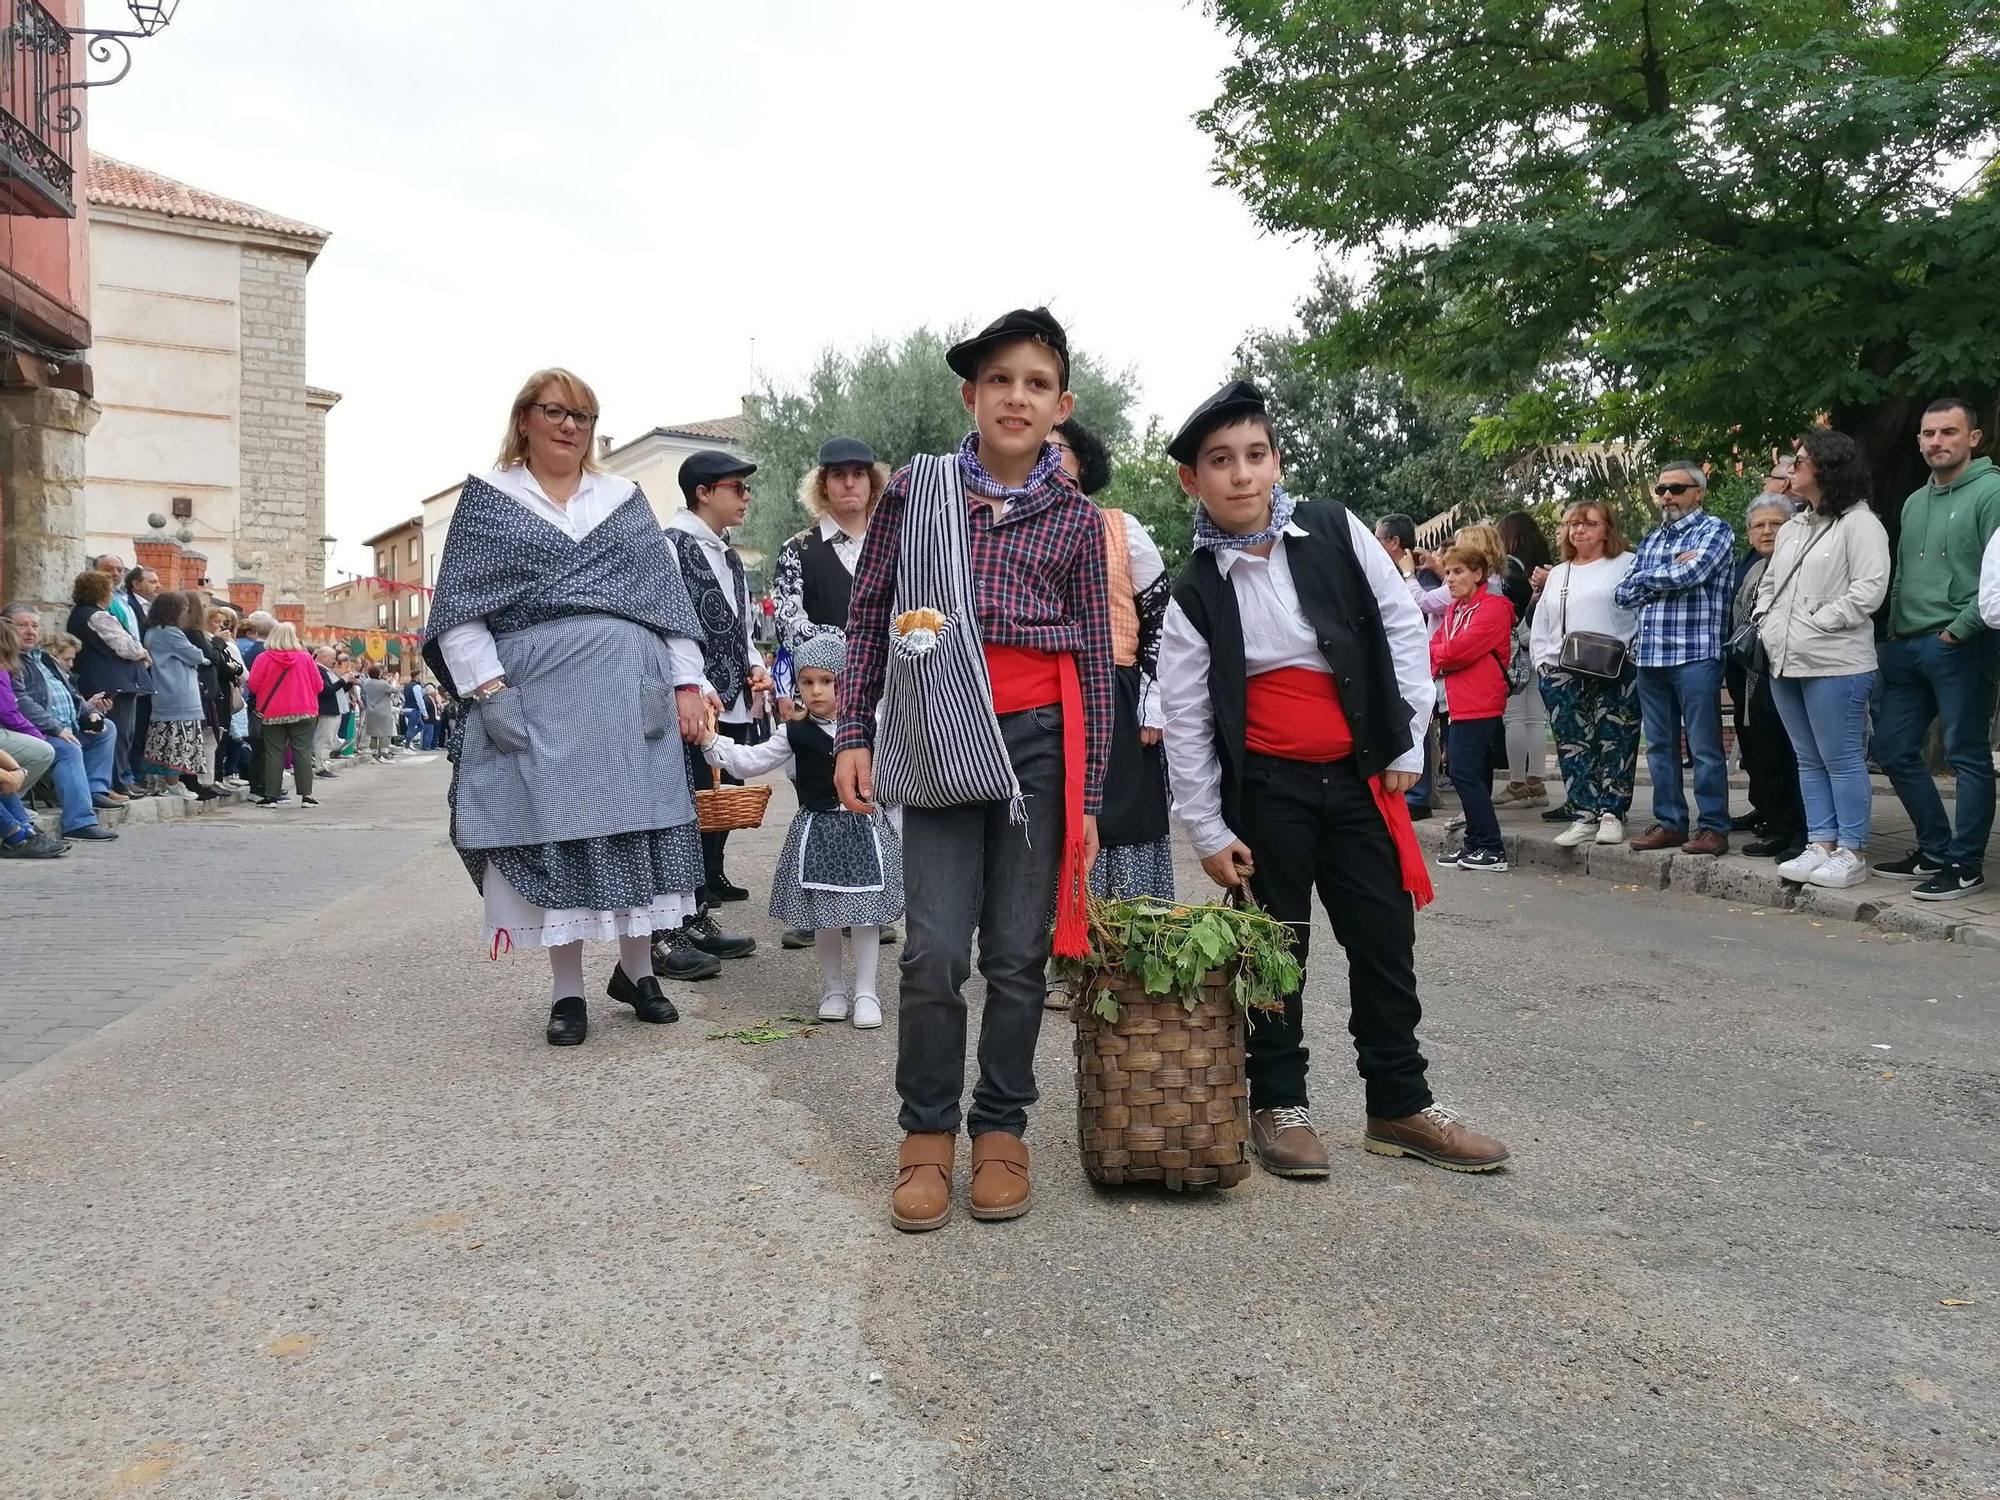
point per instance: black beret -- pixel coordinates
(711, 466)
(1235, 401)
(845, 451)
(1022, 323)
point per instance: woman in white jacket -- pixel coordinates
(1827, 576)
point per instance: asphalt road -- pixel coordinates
(328, 1218)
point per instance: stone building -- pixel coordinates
(199, 304)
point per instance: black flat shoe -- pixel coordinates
(674, 957)
(716, 943)
(1564, 814)
(1746, 823)
(90, 831)
(644, 997)
(1785, 855)
(569, 1024)
(1765, 848)
(1418, 814)
(723, 890)
(310, 801)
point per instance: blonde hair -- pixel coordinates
(575, 393)
(55, 642)
(1614, 535)
(284, 636)
(812, 489)
(222, 613)
(1482, 542)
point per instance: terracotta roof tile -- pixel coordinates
(734, 429)
(115, 184)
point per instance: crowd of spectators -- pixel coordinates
(151, 692)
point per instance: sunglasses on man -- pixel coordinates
(1674, 489)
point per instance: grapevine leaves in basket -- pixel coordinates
(1169, 947)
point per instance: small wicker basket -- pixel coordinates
(1162, 1093)
(724, 809)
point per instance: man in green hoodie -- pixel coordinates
(1940, 658)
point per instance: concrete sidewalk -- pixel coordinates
(1885, 904)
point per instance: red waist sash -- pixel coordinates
(1295, 713)
(1023, 679)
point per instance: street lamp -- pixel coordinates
(326, 546)
(151, 17)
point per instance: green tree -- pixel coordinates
(901, 399)
(1700, 224)
(1147, 483)
(1361, 434)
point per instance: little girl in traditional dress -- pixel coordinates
(840, 871)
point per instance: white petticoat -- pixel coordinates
(526, 925)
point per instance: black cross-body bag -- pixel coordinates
(1587, 653)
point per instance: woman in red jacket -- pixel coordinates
(284, 691)
(1470, 650)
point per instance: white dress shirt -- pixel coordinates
(716, 550)
(1142, 557)
(1276, 634)
(846, 547)
(468, 649)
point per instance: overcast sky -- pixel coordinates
(640, 188)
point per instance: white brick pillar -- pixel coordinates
(41, 470)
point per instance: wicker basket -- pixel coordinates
(723, 809)
(1162, 1094)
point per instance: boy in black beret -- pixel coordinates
(978, 621)
(1296, 681)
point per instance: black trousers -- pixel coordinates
(1317, 826)
(701, 774)
(1771, 765)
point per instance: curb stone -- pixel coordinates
(1737, 879)
(147, 810)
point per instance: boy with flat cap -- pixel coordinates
(1295, 677)
(978, 621)
(716, 488)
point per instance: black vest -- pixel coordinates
(99, 669)
(812, 749)
(825, 585)
(1339, 602)
(724, 655)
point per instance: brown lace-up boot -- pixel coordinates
(1437, 1136)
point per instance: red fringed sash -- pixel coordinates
(1024, 679)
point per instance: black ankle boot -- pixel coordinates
(644, 996)
(569, 1023)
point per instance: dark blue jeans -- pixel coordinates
(81, 769)
(1469, 747)
(1689, 697)
(1924, 679)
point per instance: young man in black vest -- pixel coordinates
(1295, 676)
(716, 488)
(814, 575)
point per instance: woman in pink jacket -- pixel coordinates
(1470, 650)
(284, 689)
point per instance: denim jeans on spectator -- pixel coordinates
(1419, 796)
(1470, 745)
(1923, 679)
(32, 755)
(79, 770)
(970, 867)
(1827, 719)
(1688, 696)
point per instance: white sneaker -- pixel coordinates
(1610, 830)
(1582, 831)
(1455, 822)
(1843, 869)
(834, 1008)
(867, 1012)
(1801, 869)
(177, 790)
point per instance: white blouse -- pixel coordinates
(468, 649)
(1589, 607)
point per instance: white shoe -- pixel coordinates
(1610, 830)
(1839, 871)
(834, 1008)
(177, 790)
(867, 1012)
(1801, 869)
(1455, 822)
(1582, 831)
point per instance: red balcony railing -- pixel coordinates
(38, 120)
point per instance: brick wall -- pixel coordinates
(283, 489)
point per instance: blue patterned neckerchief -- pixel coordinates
(984, 484)
(1208, 534)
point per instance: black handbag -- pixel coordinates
(1588, 653)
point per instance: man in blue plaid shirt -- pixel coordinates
(1679, 584)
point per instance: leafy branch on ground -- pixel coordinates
(760, 1032)
(1170, 948)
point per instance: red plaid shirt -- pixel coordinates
(1038, 580)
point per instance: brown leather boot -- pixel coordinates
(1436, 1136)
(1286, 1143)
(1659, 836)
(1000, 1187)
(1707, 842)
(922, 1199)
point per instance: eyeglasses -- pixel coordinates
(1674, 489)
(741, 486)
(555, 414)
